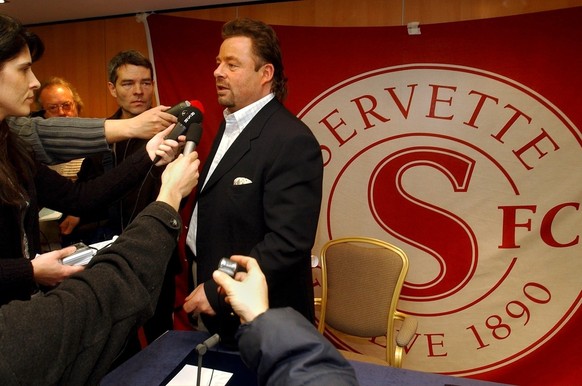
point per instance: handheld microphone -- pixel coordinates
(176, 109)
(186, 116)
(193, 136)
(187, 113)
(228, 266)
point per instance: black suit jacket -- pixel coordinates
(273, 218)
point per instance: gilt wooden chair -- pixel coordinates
(362, 279)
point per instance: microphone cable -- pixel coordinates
(139, 192)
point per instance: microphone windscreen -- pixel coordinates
(196, 103)
(188, 115)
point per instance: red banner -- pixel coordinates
(462, 146)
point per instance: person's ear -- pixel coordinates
(112, 89)
(268, 71)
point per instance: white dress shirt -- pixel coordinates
(235, 124)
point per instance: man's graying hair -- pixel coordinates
(57, 81)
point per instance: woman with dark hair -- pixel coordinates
(71, 334)
(26, 185)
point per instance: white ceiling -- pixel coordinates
(49, 11)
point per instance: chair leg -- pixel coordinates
(398, 353)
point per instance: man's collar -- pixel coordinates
(255, 106)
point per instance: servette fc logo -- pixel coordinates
(477, 179)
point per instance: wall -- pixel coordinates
(79, 51)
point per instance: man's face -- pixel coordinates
(57, 101)
(238, 84)
(133, 90)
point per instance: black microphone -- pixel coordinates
(187, 113)
(175, 110)
(186, 116)
(193, 136)
(201, 350)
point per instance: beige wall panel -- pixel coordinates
(75, 51)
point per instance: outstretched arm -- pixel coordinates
(57, 140)
(144, 126)
(72, 334)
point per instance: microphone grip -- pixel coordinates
(189, 147)
(177, 131)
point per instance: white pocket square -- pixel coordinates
(242, 181)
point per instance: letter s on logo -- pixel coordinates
(441, 234)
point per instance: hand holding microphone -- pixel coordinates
(247, 293)
(161, 151)
(190, 115)
(187, 112)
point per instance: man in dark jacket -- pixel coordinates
(131, 83)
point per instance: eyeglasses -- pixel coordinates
(65, 106)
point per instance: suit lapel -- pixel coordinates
(240, 146)
(211, 153)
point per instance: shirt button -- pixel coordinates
(174, 222)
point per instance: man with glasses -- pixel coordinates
(58, 98)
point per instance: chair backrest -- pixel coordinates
(361, 282)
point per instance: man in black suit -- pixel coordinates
(260, 191)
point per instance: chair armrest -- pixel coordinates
(407, 329)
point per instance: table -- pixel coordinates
(156, 362)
